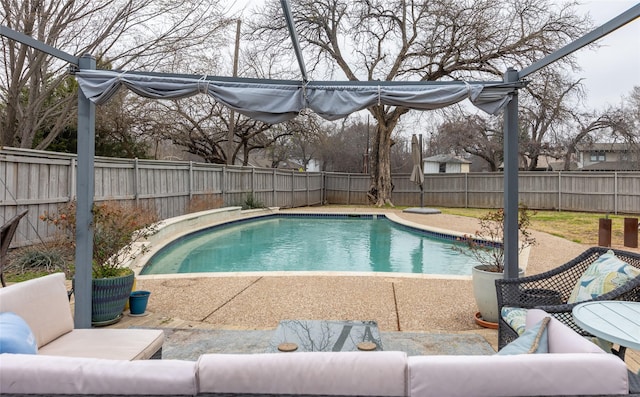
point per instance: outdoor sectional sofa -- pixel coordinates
(44, 304)
(573, 366)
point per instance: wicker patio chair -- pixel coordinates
(6, 235)
(550, 291)
(634, 383)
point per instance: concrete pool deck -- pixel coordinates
(397, 302)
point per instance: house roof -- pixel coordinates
(559, 166)
(612, 166)
(607, 147)
(544, 163)
(446, 158)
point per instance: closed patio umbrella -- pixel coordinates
(417, 176)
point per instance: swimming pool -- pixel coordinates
(312, 242)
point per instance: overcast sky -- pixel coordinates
(610, 71)
(613, 69)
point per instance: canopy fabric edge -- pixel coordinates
(278, 101)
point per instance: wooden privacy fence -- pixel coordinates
(40, 181)
(605, 192)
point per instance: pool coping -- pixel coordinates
(172, 229)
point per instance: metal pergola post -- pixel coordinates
(85, 191)
(84, 180)
(511, 194)
(288, 16)
(510, 239)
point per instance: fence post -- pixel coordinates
(72, 182)
(323, 191)
(559, 190)
(273, 184)
(136, 178)
(348, 189)
(307, 181)
(190, 180)
(223, 190)
(293, 188)
(466, 190)
(615, 193)
(253, 182)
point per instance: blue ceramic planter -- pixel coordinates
(109, 296)
(138, 302)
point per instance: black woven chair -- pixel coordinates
(6, 235)
(550, 291)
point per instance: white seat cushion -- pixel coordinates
(42, 303)
(116, 344)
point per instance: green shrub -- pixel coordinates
(38, 260)
(492, 230)
(115, 228)
(251, 202)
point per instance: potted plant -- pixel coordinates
(116, 230)
(487, 249)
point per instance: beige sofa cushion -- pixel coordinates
(345, 373)
(116, 344)
(42, 303)
(48, 375)
(517, 375)
(573, 366)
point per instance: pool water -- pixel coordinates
(290, 243)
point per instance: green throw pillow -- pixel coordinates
(533, 340)
(604, 275)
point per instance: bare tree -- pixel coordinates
(634, 107)
(614, 124)
(342, 148)
(549, 101)
(307, 131)
(120, 131)
(132, 34)
(473, 134)
(201, 125)
(551, 124)
(417, 40)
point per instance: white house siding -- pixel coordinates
(450, 168)
(431, 168)
(453, 168)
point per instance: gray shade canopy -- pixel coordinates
(275, 102)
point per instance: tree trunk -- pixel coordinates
(381, 185)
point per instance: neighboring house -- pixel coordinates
(445, 163)
(559, 166)
(545, 163)
(607, 157)
(314, 166)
